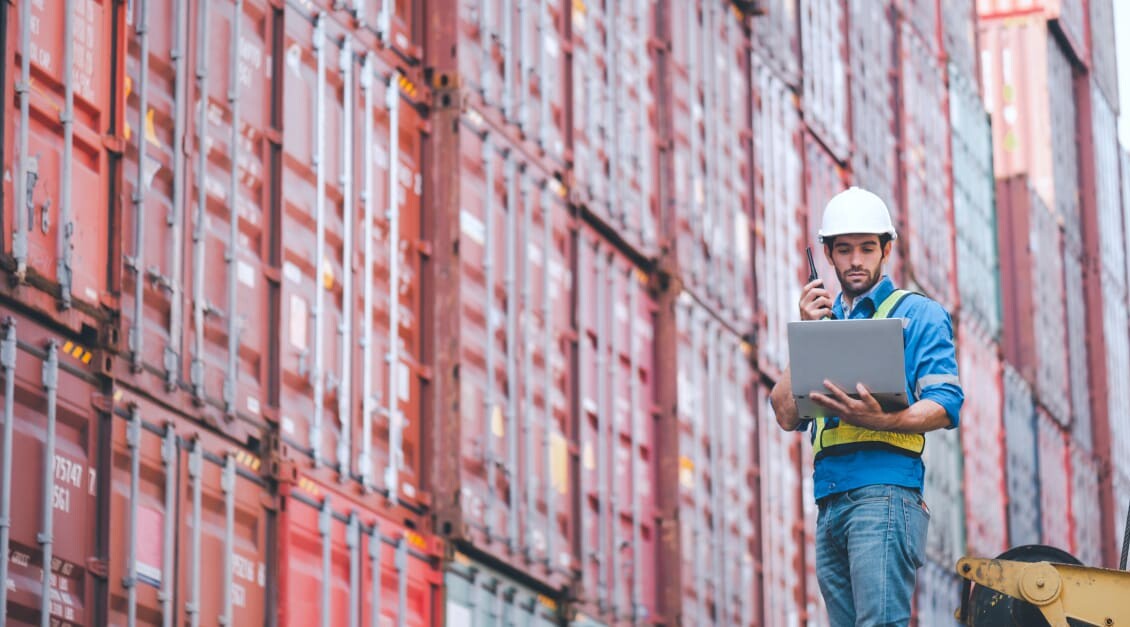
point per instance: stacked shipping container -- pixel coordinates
(322, 344)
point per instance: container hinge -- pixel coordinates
(280, 466)
(98, 567)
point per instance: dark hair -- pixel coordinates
(884, 239)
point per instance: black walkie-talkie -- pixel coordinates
(812, 276)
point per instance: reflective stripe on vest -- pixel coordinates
(832, 433)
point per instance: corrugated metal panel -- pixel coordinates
(1028, 89)
(351, 333)
(782, 518)
(55, 118)
(1079, 374)
(1045, 247)
(479, 595)
(776, 39)
(1104, 62)
(974, 205)
(873, 117)
(1069, 15)
(712, 162)
(188, 523)
(614, 121)
(340, 564)
(822, 180)
(1055, 483)
(50, 447)
(780, 238)
(1116, 339)
(616, 387)
(1022, 467)
(825, 87)
(512, 59)
(815, 611)
(513, 493)
(385, 24)
(938, 595)
(716, 472)
(1086, 511)
(959, 36)
(1108, 195)
(983, 443)
(922, 16)
(928, 228)
(943, 493)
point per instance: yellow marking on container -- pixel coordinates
(496, 425)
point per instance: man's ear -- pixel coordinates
(828, 254)
(887, 249)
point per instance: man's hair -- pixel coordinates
(884, 239)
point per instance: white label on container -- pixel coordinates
(403, 380)
(292, 273)
(472, 227)
(245, 272)
(408, 489)
(253, 405)
(458, 615)
(741, 236)
(298, 316)
(287, 425)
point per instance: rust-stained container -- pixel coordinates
(51, 438)
(927, 226)
(1069, 17)
(776, 39)
(477, 594)
(60, 108)
(190, 536)
(1077, 348)
(507, 488)
(711, 159)
(974, 205)
(615, 125)
(823, 178)
(1104, 62)
(382, 24)
(959, 39)
(1021, 466)
(943, 490)
(1029, 91)
(1108, 194)
(1086, 509)
(823, 29)
(717, 471)
(339, 563)
(922, 16)
(779, 261)
(1032, 287)
(349, 344)
(782, 517)
(616, 401)
(874, 126)
(983, 443)
(815, 610)
(1116, 340)
(512, 59)
(1055, 483)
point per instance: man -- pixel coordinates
(868, 470)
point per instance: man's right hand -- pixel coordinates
(815, 301)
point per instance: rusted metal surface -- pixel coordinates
(1055, 483)
(776, 38)
(823, 28)
(815, 611)
(927, 238)
(922, 16)
(782, 517)
(1108, 198)
(959, 39)
(711, 159)
(1021, 463)
(1078, 375)
(1086, 515)
(383, 24)
(1104, 64)
(943, 490)
(479, 595)
(823, 178)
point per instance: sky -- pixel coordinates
(1122, 39)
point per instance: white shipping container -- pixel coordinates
(1050, 315)
(1079, 374)
(1116, 338)
(824, 40)
(1086, 511)
(1022, 469)
(1108, 197)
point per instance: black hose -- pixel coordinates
(1125, 540)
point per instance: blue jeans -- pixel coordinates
(869, 543)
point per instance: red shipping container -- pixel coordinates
(617, 436)
(1055, 484)
(1086, 509)
(476, 594)
(822, 180)
(615, 125)
(775, 39)
(711, 125)
(508, 490)
(959, 39)
(512, 58)
(340, 562)
(1104, 63)
(1029, 92)
(873, 99)
(782, 517)
(983, 443)
(1116, 339)
(350, 339)
(57, 126)
(383, 24)
(1108, 194)
(779, 265)
(51, 440)
(1070, 16)
(717, 471)
(823, 30)
(188, 526)
(927, 236)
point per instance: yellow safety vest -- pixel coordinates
(845, 437)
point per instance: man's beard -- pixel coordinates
(850, 292)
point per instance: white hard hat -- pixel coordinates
(856, 210)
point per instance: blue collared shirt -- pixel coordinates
(931, 373)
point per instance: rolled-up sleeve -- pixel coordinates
(932, 360)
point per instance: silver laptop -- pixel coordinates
(847, 352)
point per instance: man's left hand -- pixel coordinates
(862, 412)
